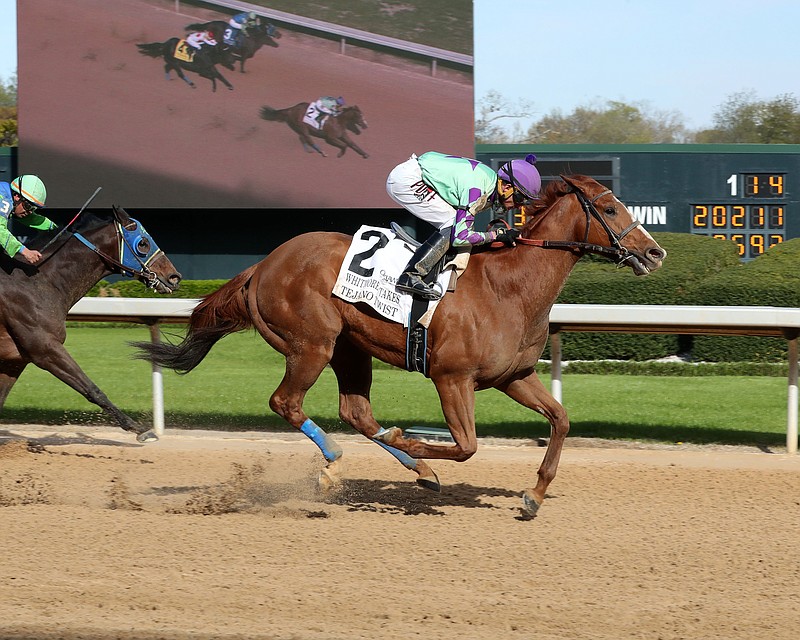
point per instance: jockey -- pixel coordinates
(199, 38)
(448, 191)
(327, 106)
(21, 199)
(244, 21)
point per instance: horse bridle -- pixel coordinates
(616, 252)
(149, 278)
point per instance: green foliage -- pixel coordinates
(742, 118)
(8, 95)
(135, 289)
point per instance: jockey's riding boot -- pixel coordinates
(420, 265)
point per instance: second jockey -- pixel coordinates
(198, 39)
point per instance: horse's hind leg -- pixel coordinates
(531, 393)
(9, 374)
(303, 367)
(353, 369)
(178, 70)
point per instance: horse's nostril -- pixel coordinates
(656, 254)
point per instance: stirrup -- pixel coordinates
(416, 287)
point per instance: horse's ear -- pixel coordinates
(120, 214)
(570, 182)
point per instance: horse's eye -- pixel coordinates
(611, 211)
(143, 246)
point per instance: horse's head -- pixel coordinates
(267, 34)
(353, 119)
(595, 221)
(140, 256)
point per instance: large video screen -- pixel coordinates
(96, 111)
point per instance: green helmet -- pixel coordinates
(31, 188)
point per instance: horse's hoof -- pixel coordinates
(230, 88)
(147, 436)
(529, 506)
(387, 436)
(330, 477)
(430, 482)
(365, 156)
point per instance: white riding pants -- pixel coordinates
(405, 186)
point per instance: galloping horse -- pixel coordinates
(334, 129)
(490, 332)
(256, 37)
(37, 298)
(178, 55)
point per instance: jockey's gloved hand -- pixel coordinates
(508, 236)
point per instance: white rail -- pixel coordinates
(743, 321)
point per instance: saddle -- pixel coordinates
(184, 51)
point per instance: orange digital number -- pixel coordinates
(756, 244)
(719, 216)
(519, 218)
(775, 239)
(738, 238)
(751, 187)
(700, 219)
(776, 184)
(757, 217)
(720, 236)
(738, 216)
(776, 217)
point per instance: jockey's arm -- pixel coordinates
(464, 233)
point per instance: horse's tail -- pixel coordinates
(152, 49)
(217, 315)
(276, 115)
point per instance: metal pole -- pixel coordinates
(158, 387)
(555, 365)
(791, 426)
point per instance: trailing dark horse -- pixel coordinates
(245, 46)
(178, 56)
(37, 298)
(334, 129)
(490, 332)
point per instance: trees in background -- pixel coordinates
(8, 113)
(741, 118)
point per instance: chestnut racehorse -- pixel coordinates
(37, 298)
(490, 332)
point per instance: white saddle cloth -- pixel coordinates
(374, 261)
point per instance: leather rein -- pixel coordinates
(616, 252)
(148, 277)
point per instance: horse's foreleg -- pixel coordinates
(50, 355)
(353, 369)
(223, 80)
(531, 393)
(354, 147)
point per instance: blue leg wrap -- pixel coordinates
(326, 444)
(406, 460)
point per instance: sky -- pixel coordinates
(683, 55)
(686, 56)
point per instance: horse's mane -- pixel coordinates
(87, 222)
(547, 197)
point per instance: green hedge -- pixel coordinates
(698, 270)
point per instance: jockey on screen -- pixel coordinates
(240, 23)
(448, 191)
(327, 106)
(22, 198)
(197, 39)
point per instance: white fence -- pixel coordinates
(743, 321)
(346, 34)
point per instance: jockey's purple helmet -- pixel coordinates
(522, 175)
(340, 101)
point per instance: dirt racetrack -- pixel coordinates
(211, 535)
(95, 112)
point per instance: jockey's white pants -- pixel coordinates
(405, 186)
